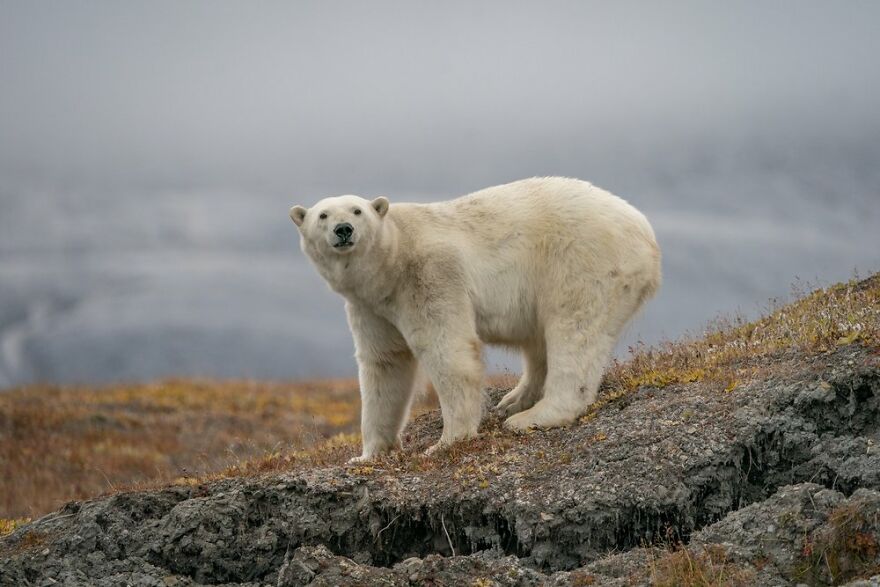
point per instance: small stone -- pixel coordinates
(412, 561)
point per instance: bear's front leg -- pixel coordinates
(386, 392)
(435, 314)
(386, 372)
(455, 367)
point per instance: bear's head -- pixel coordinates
(339, 226)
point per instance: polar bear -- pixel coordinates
(552, 266)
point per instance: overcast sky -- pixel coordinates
(149, 152)
(404, 94)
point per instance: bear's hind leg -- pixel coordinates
(580, 340)
(530, 387)
(576, 359)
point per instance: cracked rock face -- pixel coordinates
(803, 532)
(687, 463)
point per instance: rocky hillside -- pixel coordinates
(748, 456)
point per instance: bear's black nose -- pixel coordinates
(343, 231)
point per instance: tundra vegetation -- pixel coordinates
(59, 443)
(709, 430)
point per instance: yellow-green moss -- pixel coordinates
(8, 526)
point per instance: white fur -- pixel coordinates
(552, 266)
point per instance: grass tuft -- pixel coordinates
(8, 526)
(707, 567)
(846, 547)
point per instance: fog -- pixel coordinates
(149, 153)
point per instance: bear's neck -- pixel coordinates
(364, 277)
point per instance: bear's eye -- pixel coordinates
(322, 216)
(357, 211)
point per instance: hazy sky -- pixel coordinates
(149, 152)
(412, 94)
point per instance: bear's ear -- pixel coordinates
(298, 214)
(380, 205)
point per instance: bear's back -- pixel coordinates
(536, 209)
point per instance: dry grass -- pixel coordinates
(707, 567)
(733, 351)
(845, 548)
(8, 526)
(59, 444)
